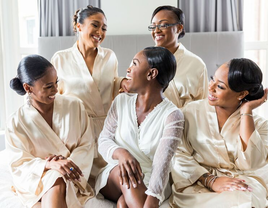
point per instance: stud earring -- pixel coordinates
(29, 99)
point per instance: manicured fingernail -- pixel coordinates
(134, 185)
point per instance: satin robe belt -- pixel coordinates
(97, 117)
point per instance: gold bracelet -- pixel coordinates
(246, 114)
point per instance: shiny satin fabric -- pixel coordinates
(29, 140)
(96, 91)
(191, 80)
(206, 149)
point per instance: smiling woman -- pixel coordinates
(89, 72)
(190, 81)
(52, 146)
(141, 133)
(224, 150)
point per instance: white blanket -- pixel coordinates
(8, 199)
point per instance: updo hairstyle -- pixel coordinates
(164, 61)
(81, 14)
(245, 74)
(30, 69)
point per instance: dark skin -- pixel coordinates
(42, 93)
(125, 183)
(226, 103)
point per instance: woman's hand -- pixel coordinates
(229, 184)
(247, 107)
(123, 86)
(151, 202)
(66, 167)
(55, 157)
(130, 170)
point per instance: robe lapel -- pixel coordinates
(42, 127)
(214, 129)
(96, 104)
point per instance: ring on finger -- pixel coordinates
(71, 168)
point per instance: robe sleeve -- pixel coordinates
(82, 155)
(203, 85)
(201, 91)
(185, 169)
(56, 62)
(117, 80)
(26, 169)
(256, 154)
(106, 141)
(166, 148)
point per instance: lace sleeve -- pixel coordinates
(162, 159)
(106, 141)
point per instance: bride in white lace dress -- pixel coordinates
(140, 134)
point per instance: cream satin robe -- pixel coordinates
(205, 149)
(29, 139)
(153, 143)
(191, 80)
(96, 90)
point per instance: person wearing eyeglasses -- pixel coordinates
(191, 81)
(225, 143)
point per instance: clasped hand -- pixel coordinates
(66, 167)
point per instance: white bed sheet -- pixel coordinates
(8, 199)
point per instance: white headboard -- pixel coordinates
(214, 48)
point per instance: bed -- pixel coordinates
(213, 48)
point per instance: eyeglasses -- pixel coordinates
(160, 27)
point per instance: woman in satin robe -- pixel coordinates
(225, 143)
(140, 134)
(49, 140)
(191, 81)
(89, 72)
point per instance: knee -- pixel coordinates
(60, 186)
(121, 202)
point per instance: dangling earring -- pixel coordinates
(29, 99)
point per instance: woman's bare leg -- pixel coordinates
(55, 196)
(133, 197)
(121, 203)
(112, 189)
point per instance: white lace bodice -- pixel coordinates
(153, 143)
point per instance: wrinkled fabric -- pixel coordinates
(29, 140)
(191, 80)
(153, 143)
(206, 149)
(96, 90)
